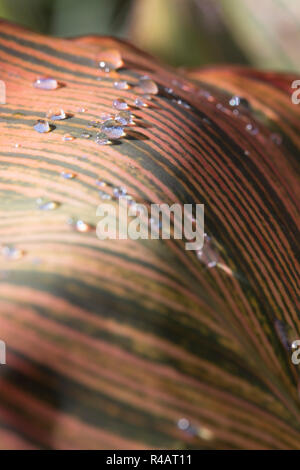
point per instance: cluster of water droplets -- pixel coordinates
(250, 119)
(111, 126)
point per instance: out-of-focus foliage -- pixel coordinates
(36, 14)
(183, 32)
(264, 33)
(267, 30)
(79, 17)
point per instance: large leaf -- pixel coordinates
(110, 342)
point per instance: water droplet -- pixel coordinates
(204, 433)
(208, 255)
(140, 103)
(119, 192)
(17, 146)
(82, 226)
(197, 431)
(112, 129)
(182, 103)
(68, 137)
(106, 116)
(286, 334)
(82, 110)
(100, 140)
(42, 126)
(247, 153)
(68, 175)
(252, 129)
(209, 97)
(148, 86)
(207, 121)
(46, 83)
(181, 85)
(56, 114)
(110, 59)
(220, 106)
(47, 205)
(104, 195)
(12, 253)
(276, 138)
(85, 135)
(101, 183)
(120, 104)
(124, 118)
(79, 225)
(183, 424)
(121, 85)
(94, 124)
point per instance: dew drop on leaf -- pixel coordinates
(140, 103)
(68, 137)
(56, 114)
(119, 192)
(286, 334)
(100, 183)
(209, 254)
(12, 253)
(104, 195)
(46, 83)
(112, 129)
(47, 205)
(148, 86)
(183, 424)
(124, 118)
(79, 225)
(68, 175)
(110, 59)
(106, 116)
(121, 85)
(82, 226)
(85, 135)
(120, 104)
(252, 129)
(100, 140)
(42, 126)
(276, 138)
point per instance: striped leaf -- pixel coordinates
(129, 344)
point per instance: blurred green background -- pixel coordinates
(264, 33)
